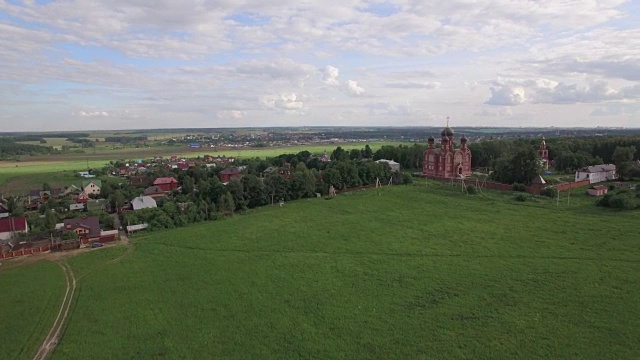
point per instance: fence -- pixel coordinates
(23, 252)
(571, 185)
(66, 245)
(534, 189)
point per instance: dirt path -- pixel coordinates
(53, 337)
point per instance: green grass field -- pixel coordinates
(417, 272)
(30, 297)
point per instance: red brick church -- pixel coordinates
(447, 161)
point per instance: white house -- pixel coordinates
(143, 202)
(597, 173)
(392, 164)
(91, 187)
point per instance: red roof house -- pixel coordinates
(10, 226)
(229, 174)
(166, 183)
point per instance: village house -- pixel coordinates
(86, 228)
(10, 227)
(91, 187)
(143, 202)
(229, 174)
(155, 192)
(598, 190)
(597, 173)
(140, 180)
(166, 183)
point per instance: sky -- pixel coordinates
(136, 64)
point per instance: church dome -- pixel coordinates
(463, 139)
(431, 139)
(444, 139)
(447, 132)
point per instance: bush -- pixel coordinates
(612, 187)
(604, 201)
(621, 202)
(518, 187)
(407, 178)
(521, 197)
(471, 190)
(549, 192)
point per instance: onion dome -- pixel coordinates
(463, 139)
(444, 139)
(447, 132)
(431, 139)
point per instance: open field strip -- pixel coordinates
(78, 162)
(401, 272)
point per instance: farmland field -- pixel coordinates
(30, 297)
(416, 272)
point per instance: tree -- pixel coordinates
(255, 191)
(339, 154)
(276, 187)
(50, 220)
(367, 153)
(117, 199)
(46, 186)
(623, 159)
(522, 167)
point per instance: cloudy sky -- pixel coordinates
(123, 64)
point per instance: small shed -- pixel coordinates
(598, 190)
(143, 202)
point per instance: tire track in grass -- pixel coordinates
(53, 336)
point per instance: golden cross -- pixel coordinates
(447, 121)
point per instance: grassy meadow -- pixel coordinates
(415, 272)
(30, 297)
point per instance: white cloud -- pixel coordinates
(93, 113)
(330, 75)
(286, 103)
(413, 84)
(231, 114)
(502, 111)
(545, 91)
(505, 94)
(352, 88)
(286, 69)
(389, 109)
(201, 60)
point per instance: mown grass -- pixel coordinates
(30, 297)
(418, 272)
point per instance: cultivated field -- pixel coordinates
(417, 272)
